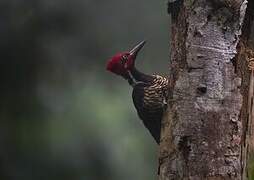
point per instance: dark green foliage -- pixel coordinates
(62, 115)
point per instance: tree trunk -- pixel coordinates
(206, 130)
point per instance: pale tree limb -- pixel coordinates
(204, 128)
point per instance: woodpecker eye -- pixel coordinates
(124, 59)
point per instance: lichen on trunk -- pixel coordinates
(202, 129)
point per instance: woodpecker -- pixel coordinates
(149, 91)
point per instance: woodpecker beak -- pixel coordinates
(137, 48)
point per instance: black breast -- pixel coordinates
(150, 99)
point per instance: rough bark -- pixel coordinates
(245, 67)
(206, 130)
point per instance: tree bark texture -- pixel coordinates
(245, 69)
(206, 130)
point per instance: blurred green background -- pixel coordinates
(62, 115)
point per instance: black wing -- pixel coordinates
(149, 109)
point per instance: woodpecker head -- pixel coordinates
(121, 63)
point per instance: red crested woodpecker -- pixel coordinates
(149, 91)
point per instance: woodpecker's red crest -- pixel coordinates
(122, 62)
(116, 64)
